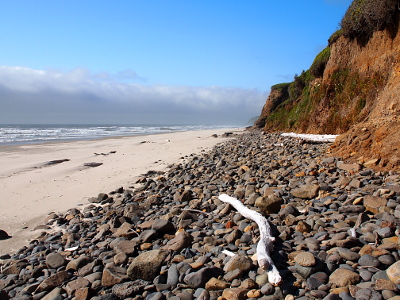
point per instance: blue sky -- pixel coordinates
(154, 61)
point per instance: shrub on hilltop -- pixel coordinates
(364, 17)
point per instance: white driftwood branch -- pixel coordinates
(228, 253)
(264, 246)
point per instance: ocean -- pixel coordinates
(28, 134)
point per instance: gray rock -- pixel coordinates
(205, 295)
(78, 263)
(156, 296)
(127, 289)
(199, 278)
(173, 275)
(385, 232)
(162, 226)
(345, 296)
(55, 294)
(182, 240)
(55, 260)
(148, 235)
(304, 272)
(347, 254)
(316, 280)
(352, 209)
(241, 262)
(147, 265)
(368, 260)
(53, 281)
(368, 294)
(306, 191)
(270, 205)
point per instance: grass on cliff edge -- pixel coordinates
(348, 96)
(345, 98)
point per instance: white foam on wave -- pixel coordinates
(20, 134)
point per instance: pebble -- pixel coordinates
(343, 277)
(55, 260)
(163, 237)
(393, 272)
(305, 259)
(368, 260)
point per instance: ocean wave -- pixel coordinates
(26, 134)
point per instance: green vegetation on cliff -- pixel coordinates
(311, 104)
(364, 17)
(318, 66)
(296, 104)
(325, 107)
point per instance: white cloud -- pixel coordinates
(28, 95)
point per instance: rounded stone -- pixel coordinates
(216, 284)
(305, 259)
(366, 275)
(386, 260)
(368, 260)
(267, 289)
(347, 254)
(55, 260)
(262, 279)
(241, 262)
(393, 272)
(343, 277)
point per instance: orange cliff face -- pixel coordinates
(375, 137)
(357, 96)
(275, 98)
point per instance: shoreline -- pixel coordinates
(49, 133)
(34, 185)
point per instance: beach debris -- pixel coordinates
(92, 164)
(56, 161)
(317, 138)
(228, 253)
(72, 248)
(264, 246)
(227, 134)
(105, 154)
(51, 163)
(99, 199)
(4, 235)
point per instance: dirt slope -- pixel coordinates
(357, 96)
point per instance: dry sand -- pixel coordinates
(31, 189)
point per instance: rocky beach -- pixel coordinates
(40, 178)
(168, 236)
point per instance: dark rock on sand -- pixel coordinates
(3, 235)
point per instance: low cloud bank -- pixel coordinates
(79, 96)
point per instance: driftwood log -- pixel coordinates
(264, 246)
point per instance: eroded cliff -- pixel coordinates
(375, 133)
(353, 89)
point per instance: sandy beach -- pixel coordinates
(32, 187)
